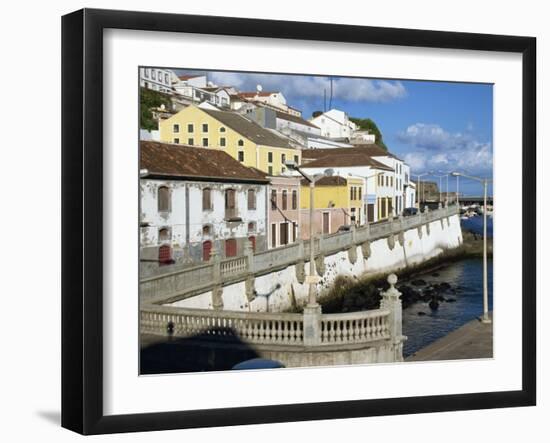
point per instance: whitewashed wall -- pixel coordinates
(416, 249)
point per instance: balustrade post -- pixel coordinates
(249, 254)
(391, 302)
(217, 290)
(312, 325)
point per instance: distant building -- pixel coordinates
(284, 210)
(242, 139)
(335, 124)
(195, 200)
(378, 189)
(156, 79)
(338, 203)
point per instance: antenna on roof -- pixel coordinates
(259, 88)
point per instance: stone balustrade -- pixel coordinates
(327, 336)
(179, 283)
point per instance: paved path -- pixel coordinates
(473, 340)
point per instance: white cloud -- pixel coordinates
(438, 149)
(301, 86)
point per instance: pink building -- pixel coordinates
(283, 211)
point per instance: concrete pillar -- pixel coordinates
(366, 250)
(300, 266)
(249, 254)
(312, 325)
(217, 290)
(391, 302)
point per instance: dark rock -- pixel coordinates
(434, 304)
(420, 313)
(418, 282)
(444, 286)
(435, 274)
(450, 300)
(440, 298)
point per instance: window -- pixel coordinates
(391, 181)
(176, 141)
(205, 142)
(270, 170)
(284, 202)
(164, 235)
(154, 74)
(241, 156)
(206, 199)
(294, 199)
(283, 159)
(206, 230)
(283, 237)
(360, 193)
(163, 199)
(273, 199)
(251, 199)
(146, 73)
(273, 235)
(222, 129)
(190, 141)
(251, 227)
(166, 78)
(297, 159)
(165, 255)
(230, 247)
(270, 157)
(351, 197)
(176, 128)
(222, 141)
(206, 250)
(240, 143)
(230, 204)
(190, 128)
(294, 229)
(387, 181)
(205, 127)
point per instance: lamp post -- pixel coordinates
(485, 182)
(418, 186)
(313, 279)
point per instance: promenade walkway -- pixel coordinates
(473, 340)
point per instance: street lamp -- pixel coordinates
(313, 279)
(418, 186)
(485, 182)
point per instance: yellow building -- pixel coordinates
(338, 203)
(244, 140)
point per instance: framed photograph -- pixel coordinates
(269, 221)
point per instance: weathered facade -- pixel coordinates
(196, 203)
(284, 211)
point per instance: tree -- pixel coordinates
(150, 99)
(367, 124)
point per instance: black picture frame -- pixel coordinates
(82, 219)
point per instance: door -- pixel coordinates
(230, 247)
(206, 250)
(370, 212)
(283, 237)
(326, 223)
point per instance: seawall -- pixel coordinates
(285, 288)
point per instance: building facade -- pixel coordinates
(195, 202)
(337, 204)
(284, 211)
(156, 79)
(232, 133)
(335, 124)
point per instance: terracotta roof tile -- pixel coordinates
(163, 159)
(340, 157)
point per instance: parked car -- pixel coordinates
(409, 211)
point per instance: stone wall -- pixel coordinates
(285, 287)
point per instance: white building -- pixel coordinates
(335, 124)
(401, 179)
(156, 79)
(275, 99)
(356, 162)
(195, 200)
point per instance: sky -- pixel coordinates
(434, 126)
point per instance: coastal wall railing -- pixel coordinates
(192, 280)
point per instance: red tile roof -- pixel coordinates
(183, 161)
(340, 157)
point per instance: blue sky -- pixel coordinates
(434, 126)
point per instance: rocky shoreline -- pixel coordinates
(351, 295)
